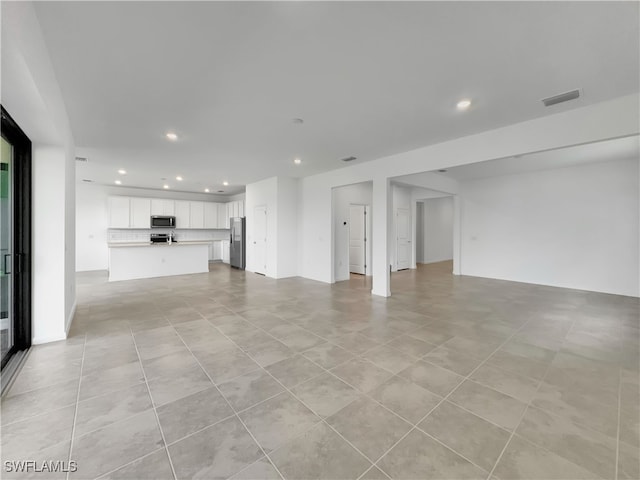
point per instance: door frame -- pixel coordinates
(409, 237)
(21, 255)
(263, 267)
(367, 239)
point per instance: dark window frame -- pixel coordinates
(22, 258)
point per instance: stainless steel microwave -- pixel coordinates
(160, 221)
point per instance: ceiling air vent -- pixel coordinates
(349, 159)
(562, 97)
(82, 159)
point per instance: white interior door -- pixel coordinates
(403, 238)
(357, 239)
(260, 240)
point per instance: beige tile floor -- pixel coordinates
(234, 375)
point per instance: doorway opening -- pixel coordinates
(15, 245)
(434, 230)
(360, 239)
(352, 239)
(260, 240)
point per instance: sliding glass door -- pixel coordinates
(15, 240)
(6, 214)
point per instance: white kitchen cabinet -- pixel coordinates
(140, 216)
(210, 215)
(225, 251)
(183, 214)
(222, 215)
(241, 209)
(196, 214)
(215, 250)
(119, 212)
(161, 206)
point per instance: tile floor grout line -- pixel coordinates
(445, 398)
(230, 406)
(618, 425)
(75, 413)
(371, 468)
(103, 475)
(322, 420)
(153, 405)
(528, 405)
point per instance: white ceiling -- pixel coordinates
(368, 78)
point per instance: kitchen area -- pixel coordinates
(156, 237)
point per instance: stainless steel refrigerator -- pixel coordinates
(237, 243)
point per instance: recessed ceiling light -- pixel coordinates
(172, 136)
(122, 172)
(165, 186)
(220, 191)
(225, 183)
(118, 182)
(463, 104)
(179, 178)
(207, 190)
(297, 161)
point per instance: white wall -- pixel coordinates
(401, 198)
(437, 236)
(287, 260)
(343, 197)
(91, 210)
(263, 193)
(573, 227)
(280, 196)
(31, 95)
(419, 232)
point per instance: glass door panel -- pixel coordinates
(6, 249)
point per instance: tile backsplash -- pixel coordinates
(125, 235)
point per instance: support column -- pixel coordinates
(457, 234)
(381, 231)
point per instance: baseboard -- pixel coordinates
(49, 339)
(69, 321)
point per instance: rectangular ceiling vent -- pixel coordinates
(349, 159)
(82, 159)
(562, 97)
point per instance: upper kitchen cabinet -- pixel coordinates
(140, 213)
(182, 214)
(119, 212)
(129, 212)
(135, 212)
(223, 217)
(160, 206)
(197, 214)
(210, 215)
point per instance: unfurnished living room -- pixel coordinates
(320, 240)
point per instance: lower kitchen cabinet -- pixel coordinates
(225, 251)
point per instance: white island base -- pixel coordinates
(128, 261)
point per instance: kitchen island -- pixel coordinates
(128, 261)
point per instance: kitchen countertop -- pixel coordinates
(149, 244)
